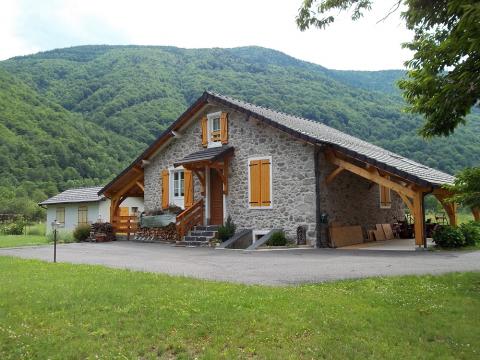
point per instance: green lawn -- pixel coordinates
(63, 311)
(22, 240)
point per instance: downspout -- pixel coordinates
(424, 223)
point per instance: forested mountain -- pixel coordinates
(83, 113)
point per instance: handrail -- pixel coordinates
(190, 217)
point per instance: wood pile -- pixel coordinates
(166, 233)
(102, 232)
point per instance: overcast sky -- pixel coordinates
(29, 26)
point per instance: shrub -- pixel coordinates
(471, 232)
(81, 232)
(277, 239)
(14, 228)
(447, 236)
(227, 230)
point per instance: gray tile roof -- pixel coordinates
(319, 133)
(210, 154)
(80, 195)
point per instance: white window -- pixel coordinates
(177, 187)
(214, 129)
(60, 215)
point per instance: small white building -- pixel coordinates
(85, 206)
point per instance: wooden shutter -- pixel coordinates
(255, 197)
(188, 182)
(224, 128)
(260, 191)
(265, 182)
(204, 131)
(385, 196)
(165, 188)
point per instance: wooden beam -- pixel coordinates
(140, 185)
(476, 214)
(369, 175)
(333, 175)
(407, 202)
(419, 221)
(201, 178)
(450, 208)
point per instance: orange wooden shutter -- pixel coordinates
(224, 128)
(204, 131)
(165, 188)
(188, 181)
(265, 182)
(255, 190)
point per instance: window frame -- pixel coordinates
(210, 120)
(81, 209)
(62, 223)
(384, 205)
(250, 207)
(176, 200)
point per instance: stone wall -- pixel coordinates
(293, 178)
(189, 142)
(353, 200)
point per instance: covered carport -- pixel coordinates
(411, 187)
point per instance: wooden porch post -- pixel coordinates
(476, 214)
(450, 208)
(419, 218)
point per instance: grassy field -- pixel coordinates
(22, 240)
(62, 311)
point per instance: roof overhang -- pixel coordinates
(206, 156)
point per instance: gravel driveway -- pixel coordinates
(277, 267)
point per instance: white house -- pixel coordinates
(85, 206)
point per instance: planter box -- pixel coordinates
(155, 221)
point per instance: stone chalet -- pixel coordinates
(270, 170)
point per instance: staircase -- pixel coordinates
(199, 236)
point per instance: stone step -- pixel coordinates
(195, 243)
(205, 228)
(195, 238)
(209, 234)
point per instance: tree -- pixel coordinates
(466, 188)
(443, 81)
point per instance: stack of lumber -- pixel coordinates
(381, 232)
(346, 235)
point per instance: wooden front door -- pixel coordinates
(216, 198)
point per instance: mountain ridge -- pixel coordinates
(130, 94)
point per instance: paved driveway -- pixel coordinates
(259, 267)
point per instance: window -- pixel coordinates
(178, 183)
(385, 197)
(215, 129)
(260, 183)
(82, 215)
(134, 209)
(60, 216)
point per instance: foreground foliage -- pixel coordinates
(62, 311)
(443, 75)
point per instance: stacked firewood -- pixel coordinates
(166, 233)
(102, 232)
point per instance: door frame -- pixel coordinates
(208, 209)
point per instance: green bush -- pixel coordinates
(82, 232)
(277, 239)
(13, 228)
(447, 236)
(471, 232)
(227, 230)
